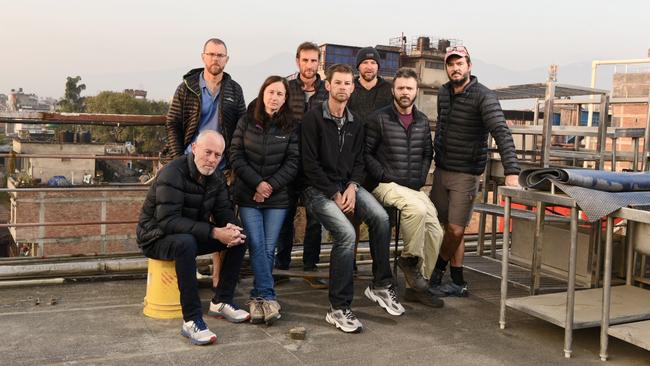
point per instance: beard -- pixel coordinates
(461, 81)
(404, 102)
(215, 69)
(308, 73)
(369, 76)
(207, 171)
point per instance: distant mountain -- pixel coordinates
(578, 74)
(160, 84)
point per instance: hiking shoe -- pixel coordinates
(412, 275)
(344, 320)
(256, 310)
(228, 312)
(436, 277)
(452, 289)
(386, 298)
(271, 311)
(425, 298)
(198, 333)
(316, 283)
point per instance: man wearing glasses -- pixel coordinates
(467, 112)
(208, 99)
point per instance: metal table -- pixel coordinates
(524, 304)
(636, 301)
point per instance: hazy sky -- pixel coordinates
(42, 42)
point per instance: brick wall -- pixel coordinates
(77, 206)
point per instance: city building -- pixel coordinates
(424, 54)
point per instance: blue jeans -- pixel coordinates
(367, 209)
(262, 227)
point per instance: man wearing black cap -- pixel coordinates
(467, 112)
(371, 91)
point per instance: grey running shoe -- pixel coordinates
(425, 298)
(198, 333)
(271, 311)
(412, 275)
(256, 311)
(344, 320)
(452, 289)
(386, 298)
(228, 312)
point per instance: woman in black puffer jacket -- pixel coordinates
(264, 155)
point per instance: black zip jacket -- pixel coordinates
(185, 112)
(363, 102)
(395, 154)
(263, 154)
(299, 106)
(464, 121)
(183, 201)
(331, 157)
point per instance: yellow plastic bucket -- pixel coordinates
(162, 300)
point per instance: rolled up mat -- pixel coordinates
(598, 193)
(595, 179)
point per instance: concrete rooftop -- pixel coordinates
(101, 323)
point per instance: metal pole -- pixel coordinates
(602, 130)
(646, 139)
(629, 258)
(538, 244)
(548, 123)
(571, 286)
(607, 291)
(504, 263)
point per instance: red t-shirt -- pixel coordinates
(406, 119)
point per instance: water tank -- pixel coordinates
(443, 44)
(423, 44)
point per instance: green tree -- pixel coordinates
(147, 139)
(72, 100)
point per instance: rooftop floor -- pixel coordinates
(101, 323)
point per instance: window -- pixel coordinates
(433, 65)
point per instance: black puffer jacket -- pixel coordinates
(299, 106)
(363, 101)
(395, 154)
(263, 154)
(185, 112)
(181, 200)
(464, 121)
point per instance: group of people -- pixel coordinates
(349, 149)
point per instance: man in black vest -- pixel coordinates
(398, 156)
(467, 112)
(306, 90)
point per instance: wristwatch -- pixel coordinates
(356, 186)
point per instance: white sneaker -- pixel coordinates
(386, 298)
(228, 312)
(344, 320)
(198, 333)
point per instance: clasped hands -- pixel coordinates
(262, 192)
(230, 235)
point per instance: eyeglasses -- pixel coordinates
(219, 56)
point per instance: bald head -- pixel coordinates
(208, 151)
